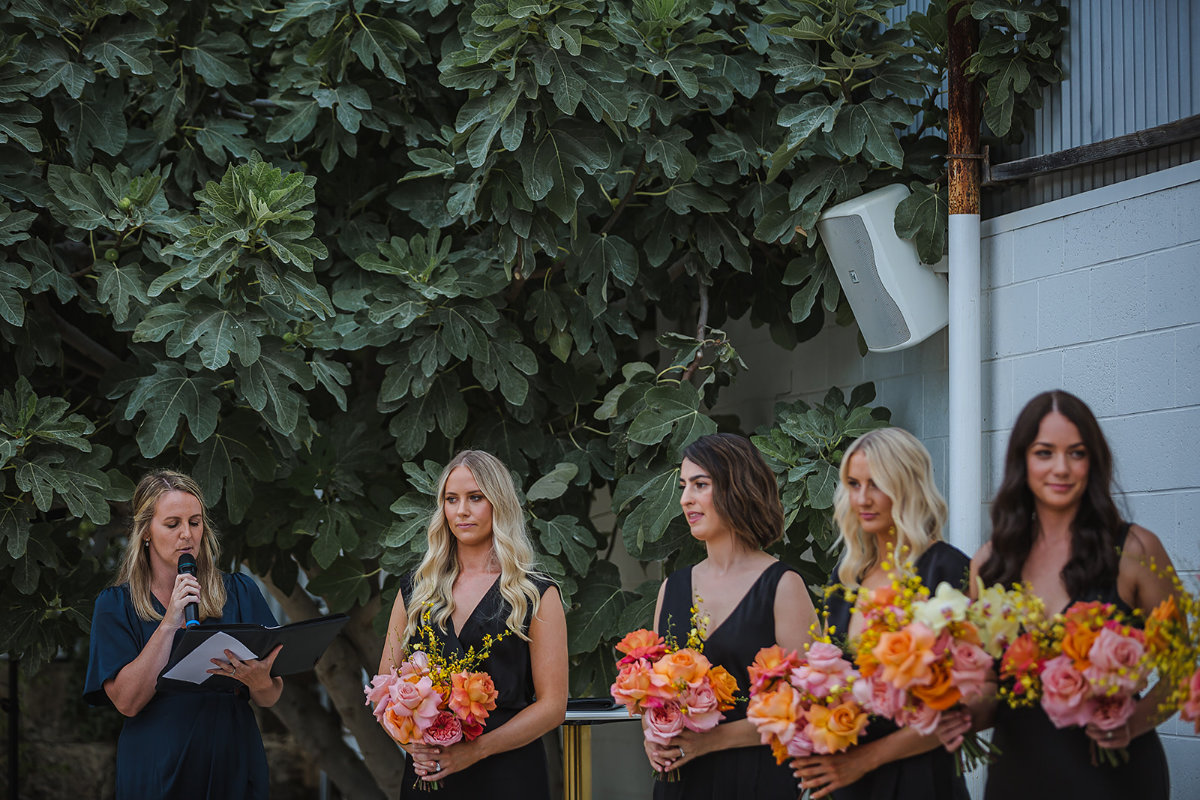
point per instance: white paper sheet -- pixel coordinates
(194, 667)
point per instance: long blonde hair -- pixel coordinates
(135, 564)
(901, 469)
(433, 582)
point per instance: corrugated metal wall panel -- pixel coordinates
(1130, 65)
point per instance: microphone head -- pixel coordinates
(187, 563)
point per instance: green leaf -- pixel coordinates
(12, 304)
(872, 126)
(563, 535)
(166, 396)
(343, 584)
(553, 483)
(118, 285)
(599, 605)
(214, 57)
(13, 119)
(549, 173)
(923, 217)
(671, 409)
(93, 121)
(267, 385)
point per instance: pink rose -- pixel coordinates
(1111, 655)
(969, 668)
(663, 723)
(801, 745)
(416, 699)
(923, 719)
(445, 729)
(1113, 712)
(700, 707)
(378, 693)
(1191, 707)
(824, 670)
(879, 697)
(1066, 694)
(415, 664)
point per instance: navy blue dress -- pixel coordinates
(930, 775)
(1039, 761)
(182, 745)
(740, 773)
(520, 774)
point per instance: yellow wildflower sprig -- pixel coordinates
(442, 665)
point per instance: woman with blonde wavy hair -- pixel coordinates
(479, 577)
(178, 744)
(888, 511)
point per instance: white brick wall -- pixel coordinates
(1098, 294)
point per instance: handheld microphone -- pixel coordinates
(187, 565)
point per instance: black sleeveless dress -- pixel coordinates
(519, 774)
(743, 773)
(928, 776)
(1041, 762)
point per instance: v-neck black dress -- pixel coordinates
(929, 775)
(743, 773)
(519, 774)
(1041, 762)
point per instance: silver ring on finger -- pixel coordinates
(681, 752)
(437, 766)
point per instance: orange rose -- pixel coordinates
(905, 655)
(883, 596)
(685, 665)
(1020, 657)
(724, 686)
(1163, 619)
(635, 685)
(940, 693)
(1077, 641)
(472, 695)
(835, 729)
(402, 728)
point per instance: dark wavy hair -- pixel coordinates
(744, 489)
(1094, 558)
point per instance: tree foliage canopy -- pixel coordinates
(305, 251)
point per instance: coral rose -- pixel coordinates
(401, 727)
(685, 665)
(1112, 712)
(724, 686)
(1020, 657)
(771, 663)
(472, 695)
(775, 713)
(663, 723)
(940, 693)
(641, 644)
(906, 654)
(834, 729)
(445, 730)
(635, 687)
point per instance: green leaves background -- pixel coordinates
(308, 250)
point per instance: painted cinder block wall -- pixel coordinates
(1098, 293)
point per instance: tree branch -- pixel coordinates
(701, 325)
(340, 671)
(83, 343)
(612, 218)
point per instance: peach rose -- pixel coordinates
(641, 644)
(685, 665)
(378, 693)
(472, 695)
(940, 693)
(775, 713)
(401, 727)
(663, 723)
(635, 687)
(724, 687)
(923, 719)
(416, 664)
(878, 697)
(834, 729)
(771, 663)
(906, 654)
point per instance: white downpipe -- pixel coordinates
(966, 400)
(965, 457)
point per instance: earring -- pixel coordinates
(146, 543)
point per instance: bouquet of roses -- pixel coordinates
(671, 687)
(432, 698)
(920, 655)
(803, 706)
(1088, 664)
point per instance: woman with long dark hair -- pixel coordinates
(745, 600)
(1056, 528)
(479, 579)
(888, 511)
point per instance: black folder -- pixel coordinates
(303, 643)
